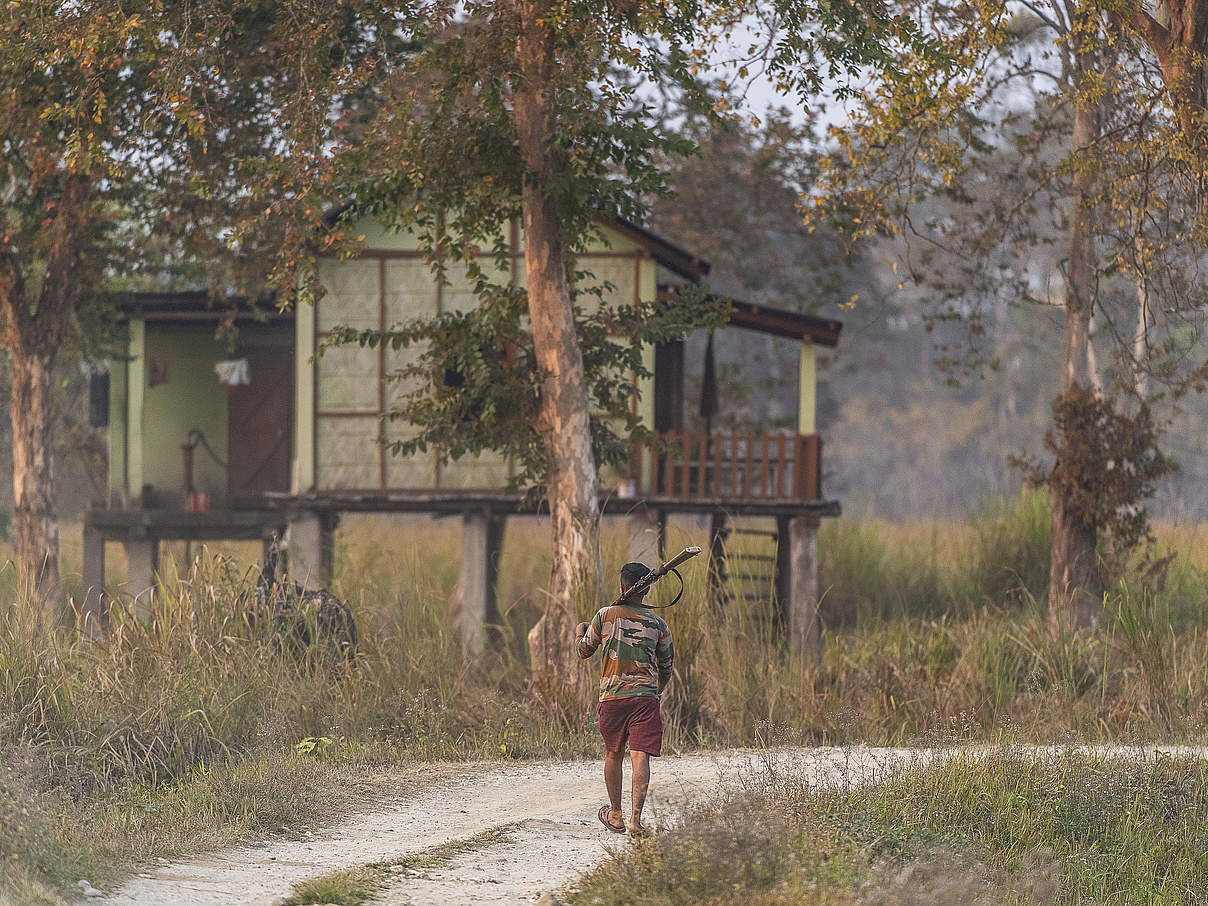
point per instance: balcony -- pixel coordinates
(779, 468)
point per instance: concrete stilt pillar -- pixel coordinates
(310, 549)
(646, 530)
(804, 620)
(93, 609)
(474, 611)
(142, 566)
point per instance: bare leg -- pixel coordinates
(612, 780)
(641, 783)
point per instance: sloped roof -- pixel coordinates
(679, 261)
(778, 322)
(790, 324)
(198, 305)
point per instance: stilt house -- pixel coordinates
(209, 440)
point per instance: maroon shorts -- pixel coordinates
(636, 720)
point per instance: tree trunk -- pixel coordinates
(35, 528)
(1181, 56)
(1177, 33)
(1075, 586)
(1141, 336)
(32, 335)
(571, 484)
(1092, 361)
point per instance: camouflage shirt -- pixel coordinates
(637, 650)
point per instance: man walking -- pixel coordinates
(635, 669)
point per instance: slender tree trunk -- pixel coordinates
(571, 484)
(1141, 337)
(35, 528)
(1092, 361)
(1075, 585)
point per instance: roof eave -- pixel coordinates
(679, 261)
(193, 305)
(791, 325)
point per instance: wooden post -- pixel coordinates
(93, 615)
(808, 467)
(273, 552)
(310, 548)
(781, 459)
(807, 389)
(474, 610)
(719, 573)
(685, 482)
(328, 523)
(765, 486)
(746, 475)
(303, 474)
(782, 586)
(118, 433)
(733, 465)
(136, 391)
(804, 620)
(142, 565)
(645, 536)
(270, 547)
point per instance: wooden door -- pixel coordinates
(261, 422)
(669, 386)
(668, 402)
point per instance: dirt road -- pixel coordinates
(549, 811)
(547, 815)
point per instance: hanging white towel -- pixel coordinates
(233, 372)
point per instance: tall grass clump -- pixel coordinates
(867, 576)
(1117, 830)
(998, 827)
(875, 570)
(1009, 562)
(199, 681)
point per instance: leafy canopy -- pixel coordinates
(419, 131)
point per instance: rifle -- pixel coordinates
(657, 573)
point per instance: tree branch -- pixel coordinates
(1147, 28)
(61, 288)
(13, 304)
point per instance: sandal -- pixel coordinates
(638, 832)
(603, 814)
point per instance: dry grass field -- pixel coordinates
(193, 729)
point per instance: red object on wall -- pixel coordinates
(197, 502)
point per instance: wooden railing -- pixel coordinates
(731, 466)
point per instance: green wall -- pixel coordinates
(191, 398)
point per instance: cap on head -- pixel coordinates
(632, 573)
